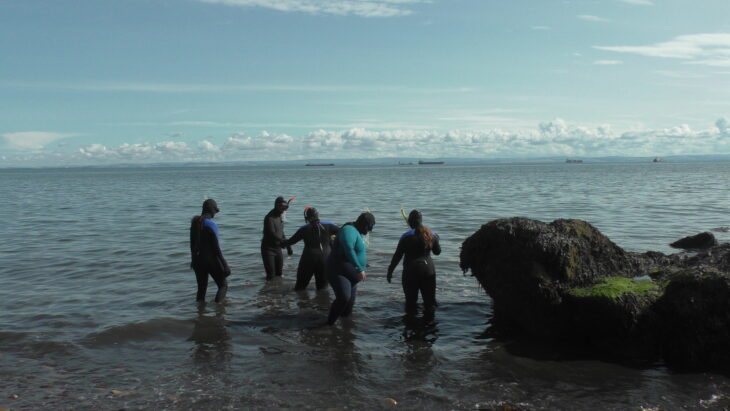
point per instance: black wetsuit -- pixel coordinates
(207, 258)
(419, 273)
(317, 238)
(271, 244)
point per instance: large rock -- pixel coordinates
(566, 281)
(526, 266)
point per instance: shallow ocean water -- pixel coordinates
(98, 300)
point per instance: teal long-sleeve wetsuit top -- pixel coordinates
(352, 246)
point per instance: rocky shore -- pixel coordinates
(567, 283)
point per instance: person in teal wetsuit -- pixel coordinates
(346, 265)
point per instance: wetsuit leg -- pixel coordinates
(428, 291)
(351, 303)
(222, 283)
(410, 290)
(201, 276)
(343, 293)
(272, 265)
(320, 276)
(304, 273)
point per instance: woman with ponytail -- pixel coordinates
(205, 250)
(419, 273)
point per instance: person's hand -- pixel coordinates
(289, 251)
(389, 277)
(227, 271)
(362, 275)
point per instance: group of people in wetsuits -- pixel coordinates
(332, 255)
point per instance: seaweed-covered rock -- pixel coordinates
(697, 241)
(614, 316)
(566, 281)
(695, 331)
(527, 265)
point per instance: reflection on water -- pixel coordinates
(213, 348)
(419, 334)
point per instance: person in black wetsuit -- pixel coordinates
(346, 265)
(419, 273)
(317, 236)
(207, 258)
(274, 240)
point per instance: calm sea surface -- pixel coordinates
(98, 308)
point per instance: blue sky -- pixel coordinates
(102, 81)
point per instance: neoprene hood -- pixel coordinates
(210, 207)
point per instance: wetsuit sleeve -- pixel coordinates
(349, 239)
(435, 246)
(396, 257)
(295, 238)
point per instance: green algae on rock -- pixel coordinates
(616, 287)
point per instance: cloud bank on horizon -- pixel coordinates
(549, 139)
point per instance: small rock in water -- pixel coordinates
(391, 401)
(697, 241)
(14, 396)
(117, 392)
(721, 229)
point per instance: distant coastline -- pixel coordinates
(389, 161)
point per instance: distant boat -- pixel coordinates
(573, 161)
(657, 160)
(429, 163)
(320, 164)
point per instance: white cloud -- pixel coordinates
(208, 147)
(145, 152)
(588, 17)
(32, 140)
(710, 49)
(362, 8)
(608, 62)
(639, 2)
(541, 28)
(552, 138)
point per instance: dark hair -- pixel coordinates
(311, 215)
(415, 219)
